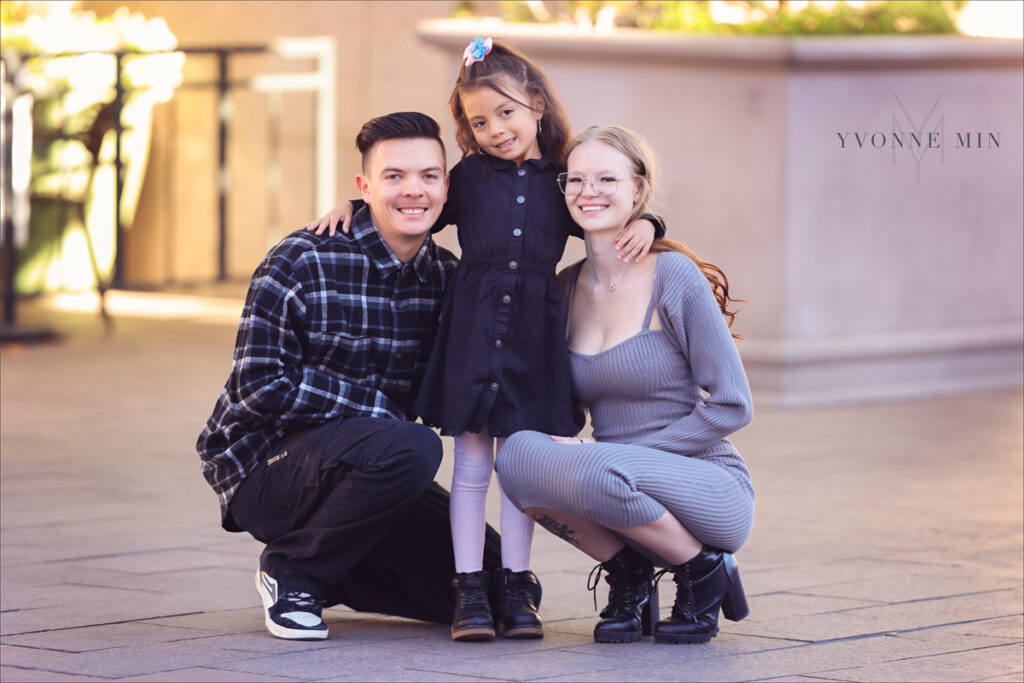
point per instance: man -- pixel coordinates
(312, 447)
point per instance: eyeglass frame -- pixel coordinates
(562, 177)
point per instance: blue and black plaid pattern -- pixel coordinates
(332, 327)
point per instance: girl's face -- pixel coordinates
(501, 126)
(600, 187)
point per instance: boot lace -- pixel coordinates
(685, 599)
(473, 597)
(518, 593)
(621, 590)
(594, 581)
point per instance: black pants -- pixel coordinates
(350, 512)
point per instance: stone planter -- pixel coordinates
(880, 261)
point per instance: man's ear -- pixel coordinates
(363, 185)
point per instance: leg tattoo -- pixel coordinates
(557, 528)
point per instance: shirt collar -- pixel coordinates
(366, 235)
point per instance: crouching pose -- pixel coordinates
(655, 364)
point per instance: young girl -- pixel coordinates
(500, 363)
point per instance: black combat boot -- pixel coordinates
(472, 619)
(630, 579)
(520, 595)
(708, 581)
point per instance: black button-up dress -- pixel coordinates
(501, 361)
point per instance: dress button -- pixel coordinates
(521, 171)
(520, 199)
(517, 232)
(506, 299)
(498, 343)
(494, 386)
(513, 265)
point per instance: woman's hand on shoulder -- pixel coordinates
(339, 216)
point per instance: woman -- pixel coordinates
(655, 364)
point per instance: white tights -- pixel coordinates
(474, 462)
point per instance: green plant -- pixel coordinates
(754, 17)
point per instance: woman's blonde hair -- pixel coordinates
(636, 149)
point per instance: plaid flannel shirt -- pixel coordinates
(331, 328)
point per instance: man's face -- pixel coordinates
(405, 186)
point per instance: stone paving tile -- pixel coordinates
(371, 659)
(948, 640)
(1005, 627)
(204, 674)
(692, 663)
(1014, 677)
(439, 643)
(91, 638)
(238, 621)
(882, 619)
(16, 674)
(980, 664)
(120, 662)
(163, 560)
(75, 616)
(402, 674)
(726, 642)
(58, 595)
(913, 585)
(788, 604)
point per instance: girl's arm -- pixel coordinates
(693, 318)
(635, 239)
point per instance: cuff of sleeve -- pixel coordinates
(659, 225)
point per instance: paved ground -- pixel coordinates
(887, 547)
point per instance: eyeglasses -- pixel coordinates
(571, 184)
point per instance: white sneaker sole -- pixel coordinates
(282, 631)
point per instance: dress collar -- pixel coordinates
(505, 164)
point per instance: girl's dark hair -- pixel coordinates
(397, 126)
(503, 60)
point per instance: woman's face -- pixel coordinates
(600, 187)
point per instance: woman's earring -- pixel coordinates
(538, 126)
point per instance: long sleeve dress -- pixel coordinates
(500, 361)
(661, 404)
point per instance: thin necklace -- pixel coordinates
(612, 286)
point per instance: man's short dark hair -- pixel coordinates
(396, 126)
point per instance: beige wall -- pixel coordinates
(865, 281)
(381, 67)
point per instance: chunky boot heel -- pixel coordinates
(518, 612)
(646, 620)
(628, 616)
(705, 584)
(472, 619)
(734, 606)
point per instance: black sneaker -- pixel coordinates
(292, 614)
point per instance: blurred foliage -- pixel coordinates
(65, 62)
(754, 17)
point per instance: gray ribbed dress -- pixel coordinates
(660, 439)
